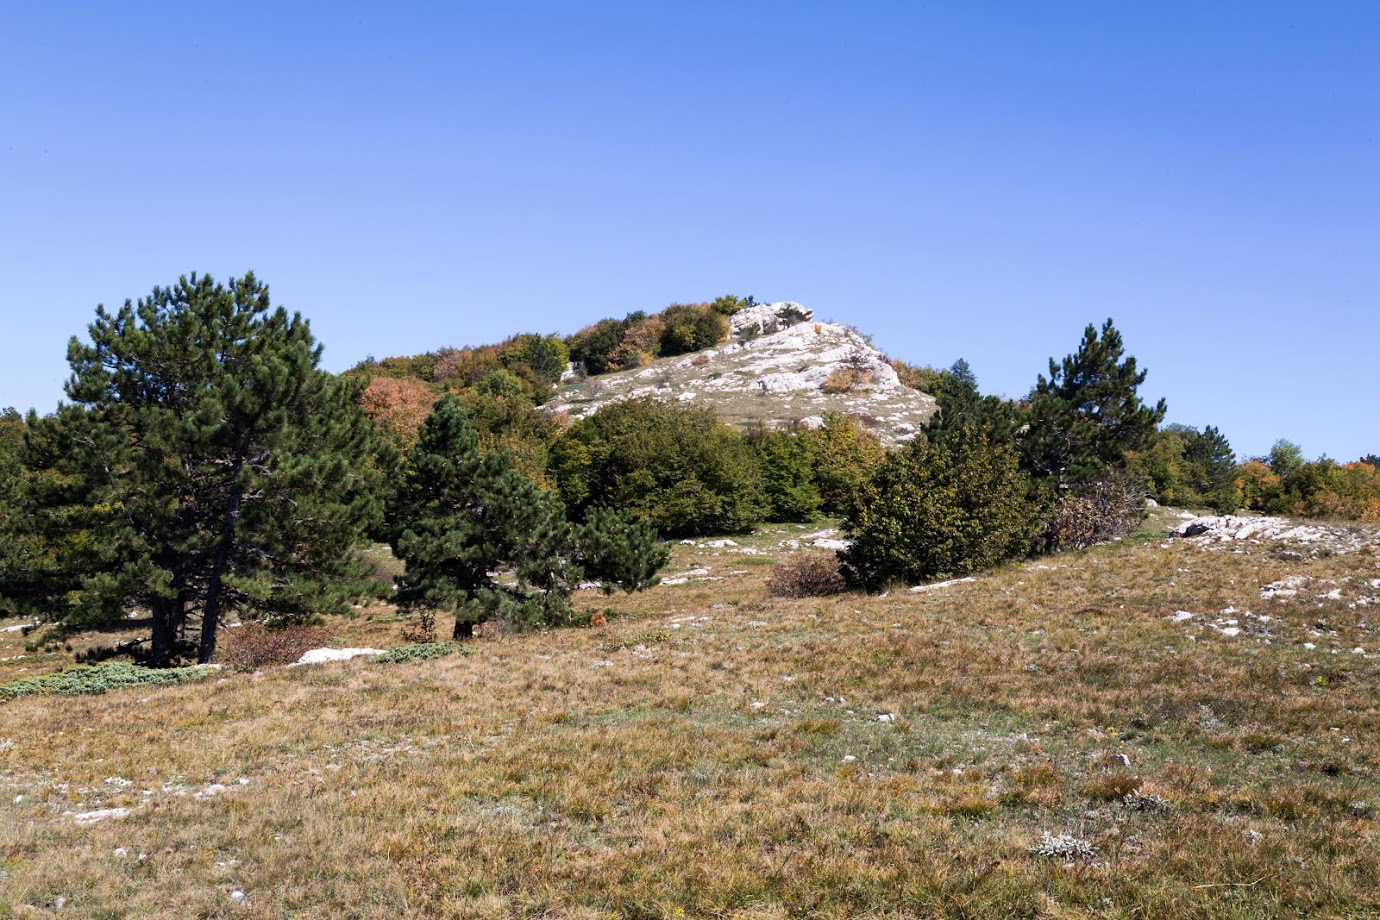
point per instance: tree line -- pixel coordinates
(204, 464)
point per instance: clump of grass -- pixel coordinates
(645, 639)
(1036, 785)
(98, 678)
(1112, 787)
(422, 651)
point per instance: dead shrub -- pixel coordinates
(421, 630)
(846, 380)
(1109, 508)
(699, 360)
(807, 576)
(255, 645)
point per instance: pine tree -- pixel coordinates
(959, 401)
(482, 541)
(1087, 414)
(206, 465)
(1213, 466)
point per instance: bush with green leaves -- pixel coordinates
(845, 457)
(691, 327)
(939, 507)
(788, 475)
(99, 678)
(679, 469)
(1189, 468)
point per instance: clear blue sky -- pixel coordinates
(967, 178)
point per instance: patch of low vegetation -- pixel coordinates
(423, 651)
(259, 645)
(812, 575)
(84, 680)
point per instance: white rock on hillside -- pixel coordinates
(772, 370)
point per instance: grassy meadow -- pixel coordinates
(715, 752)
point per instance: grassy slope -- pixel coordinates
(630, 770)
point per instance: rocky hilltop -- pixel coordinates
(779, 367)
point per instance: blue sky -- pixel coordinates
(969, 179)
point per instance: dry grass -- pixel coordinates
(714, 752)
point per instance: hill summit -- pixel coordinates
(779, 368)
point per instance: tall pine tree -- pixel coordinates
(482, 541)
(1088, 413)
(206, 465)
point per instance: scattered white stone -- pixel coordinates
(323, 655)
(849, 758)
(1181, 615)
(238, 897)
(717, 544)
(100, 814)
(935, 586)
(887, 717)
(829, 543)
(18, 627)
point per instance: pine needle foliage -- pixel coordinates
(482, 541)
(205, 464)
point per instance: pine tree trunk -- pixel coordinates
(167, 617)
(210, 616)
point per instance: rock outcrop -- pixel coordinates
(780, 367)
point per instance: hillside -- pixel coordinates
(1163, 727)
(778, 367)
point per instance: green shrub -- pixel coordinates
(423, 651)
(845, 458)
(691, 327)
(676, 468)
(1188, 468)
(99, 678)
(939, 508)
(788, 480)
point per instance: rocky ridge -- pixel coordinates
(777, 368)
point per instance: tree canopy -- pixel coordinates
(205, 464)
